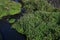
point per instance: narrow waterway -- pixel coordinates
(8, 33)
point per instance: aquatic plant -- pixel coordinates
(9, 7)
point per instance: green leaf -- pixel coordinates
(8, 7)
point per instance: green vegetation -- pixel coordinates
(39, 26)
(42, 5)
(8, 7)
(11, 20)
(41, 21)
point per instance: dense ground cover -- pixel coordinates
(40, 21)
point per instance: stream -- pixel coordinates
(8, 33)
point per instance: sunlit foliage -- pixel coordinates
(39, 26)
(40, 22)
(8, 7)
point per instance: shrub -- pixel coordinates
(8, 7)
(40, 22)
(35, 5)
(39, 26)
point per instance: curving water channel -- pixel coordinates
(9, 33)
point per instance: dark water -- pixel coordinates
(8, 33)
